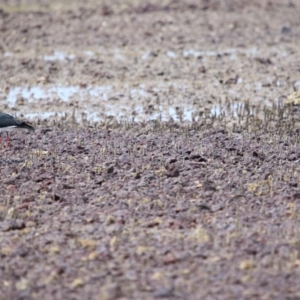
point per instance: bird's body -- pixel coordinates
(10, 123)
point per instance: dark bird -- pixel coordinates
(10, 123)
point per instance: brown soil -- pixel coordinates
(175, 210)
(180, 53)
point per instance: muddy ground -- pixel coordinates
(196, 199)
(146, 60)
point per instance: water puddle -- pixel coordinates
(58, 55)
(36, 93)
(140, 102)
(119, 54)
(231, 109)
(171, 54)
(89, 53)
(122, 55)
(79, 116)
(97, 103)
(232, 52)
(8, 54)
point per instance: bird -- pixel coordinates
(10, 123)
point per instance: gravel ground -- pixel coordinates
(115, 209)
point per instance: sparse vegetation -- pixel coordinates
(166, 204)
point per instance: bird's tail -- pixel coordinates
(27, 126)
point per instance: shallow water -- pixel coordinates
(214, 90)
(125, 102)
(121, 54)
(97, 102)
